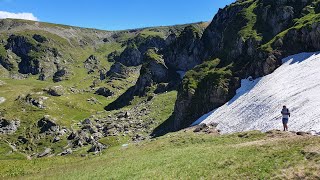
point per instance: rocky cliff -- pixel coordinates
(249, 37)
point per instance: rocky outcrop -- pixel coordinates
(131, 56)
(34, 100)
(91, 64)
(32, 56)
(104, 92)
(46, 152)
(56, 90)
(39, 38)
(47, 125)
(97, 148)
(183, 53)
(152, 72)
(136, 47)
(226, 39)
(7, 126)
(61, 74)
(118, 70)
(145, 43)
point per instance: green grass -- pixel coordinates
(249, 31)
(181, 155)
(7, 153)
(194, 76)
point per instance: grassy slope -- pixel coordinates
(184, 155)
(73, 107)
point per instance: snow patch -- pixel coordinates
(258, 103)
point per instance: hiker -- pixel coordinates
(285, 117)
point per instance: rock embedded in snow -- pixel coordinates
(258, 102)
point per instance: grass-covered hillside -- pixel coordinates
(54, 77)
(184, 155)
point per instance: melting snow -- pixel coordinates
(258, 103)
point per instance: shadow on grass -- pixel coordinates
(164, 128)
(122, 101)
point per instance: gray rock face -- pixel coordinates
(35, 59)
(184, 52)
(46, 152)
(153, 71)
(37, 101)
(56, 90)
(39, 38)
(21, 46)
(97, 147)
(223, 39)
(8, 127)
(60, 75)
(9, 61)
(91, 64)
(212, 38)
(66, 152)
(118, 70)
(104, 92)
(131, 56)
(47, 125)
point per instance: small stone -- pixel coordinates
(86, 121)
(46, 152)
(56, 139)
(66, 152)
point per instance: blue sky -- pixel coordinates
(116, 14)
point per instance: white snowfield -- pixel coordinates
(258, 103)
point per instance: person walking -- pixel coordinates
(285, 117)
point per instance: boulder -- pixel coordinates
(97, 147)
(66, 152)
(46, 152)
(47, 124)
(91, 64)
(118, 70)
(300, 133)
(39, 38)
(56, 139)
(8, 127)
(103, 91)
(60, 75)
(200, 127)
(22, 140)
(56, 91)
(86, 121)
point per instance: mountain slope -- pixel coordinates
(258, 102)
(248, 38)
(55, 81)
